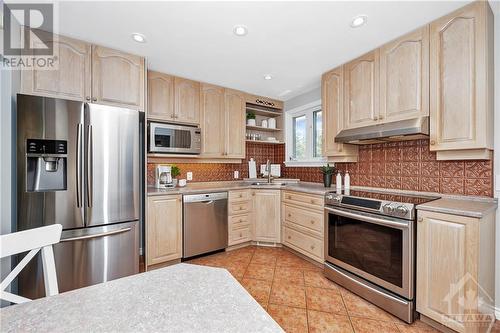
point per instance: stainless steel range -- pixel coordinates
(370, 246)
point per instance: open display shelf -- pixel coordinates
(265, 113)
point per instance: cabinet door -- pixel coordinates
(266, 214)
(361, 90)
(332, 85)
(70, 78)
(213, 121)
(446, 258)
(187, 101)
(117, 78)
(160, 96)
(164, 229)
(235, 123)
(404, 77)
(461, 108)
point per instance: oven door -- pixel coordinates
(378, 249)
(166, 138)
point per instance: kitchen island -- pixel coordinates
(180, 298)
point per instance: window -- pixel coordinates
(304, 137)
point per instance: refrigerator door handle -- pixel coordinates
(90, 165)
(79, 165)
(102, 234)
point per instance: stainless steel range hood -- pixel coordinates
(400, 130)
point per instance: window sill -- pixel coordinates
(314, 163)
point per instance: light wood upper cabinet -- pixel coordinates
(235, 123)
(213, 121)
(164, 229)
(461, 83)
(266, 215)
(187, 101)
(455, 268)
(404, 77)
(160, 96)
(117, 78)
(70, 79)
(332, 90)
(361, 91)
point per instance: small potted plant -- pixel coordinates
(251, 119)
(327, 172)
(175, 172)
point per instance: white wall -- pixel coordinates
(495, 5)
(303, 99)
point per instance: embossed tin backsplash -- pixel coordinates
(406, 165)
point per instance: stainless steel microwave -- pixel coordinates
(174, 139)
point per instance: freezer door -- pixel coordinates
(112, 164)
(43, 118)
(85, 257)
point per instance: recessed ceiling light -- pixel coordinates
(358, 21)
(240, 30)
(267, 77)
(139, 38)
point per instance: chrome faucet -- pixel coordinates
(268, 169)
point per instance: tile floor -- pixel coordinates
(295, 293)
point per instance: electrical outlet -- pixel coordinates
(236, 174)
(189, 175)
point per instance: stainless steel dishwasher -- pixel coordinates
(205, 223)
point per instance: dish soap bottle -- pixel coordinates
(347, 181)
(338, 181)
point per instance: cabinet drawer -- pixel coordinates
(240, 195)
(239, 221)
(240, 235)
(307, 245)
(305, 218)
(240, 207)
(306, 200)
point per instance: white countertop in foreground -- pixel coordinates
(180, 298)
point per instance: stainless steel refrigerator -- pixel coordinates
(78, 164)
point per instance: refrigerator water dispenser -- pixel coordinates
(46, 165)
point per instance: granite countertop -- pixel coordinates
(180, 298)
(192, 188)
(461, 206)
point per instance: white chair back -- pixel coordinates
(32, 240)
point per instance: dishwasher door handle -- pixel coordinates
(207, 202)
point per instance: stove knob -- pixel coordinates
(388, 209)
(329, 196)
(402, 210)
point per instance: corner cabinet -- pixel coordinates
(455, 269)
(72, 77)
(461, 83)
(160, 96)
(361, 91)
(404, 77)
(266, 215)
(164, 229)
(117, 78)
(332, 91)
(187, 101)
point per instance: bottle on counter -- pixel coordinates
(347, 181)
(338, 181)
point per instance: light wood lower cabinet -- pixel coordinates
(240, 224)
(266, 215)
(164, 229)
(455, 269)
(303, 224)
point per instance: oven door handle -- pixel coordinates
(370, 219)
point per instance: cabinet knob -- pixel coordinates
(241, 220)
(380, 117)
(241, 195)
(94, 99)
(420, 219)
(289, 237)
(241, 234)
(87, 98)
(312, 221)
(312, 247)
(241, 208)
(375, 118)
(433, 142)
(313, 201)
(288, 196)
(289, 215)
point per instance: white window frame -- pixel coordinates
(307, 110)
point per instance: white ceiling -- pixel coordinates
(295, 42)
